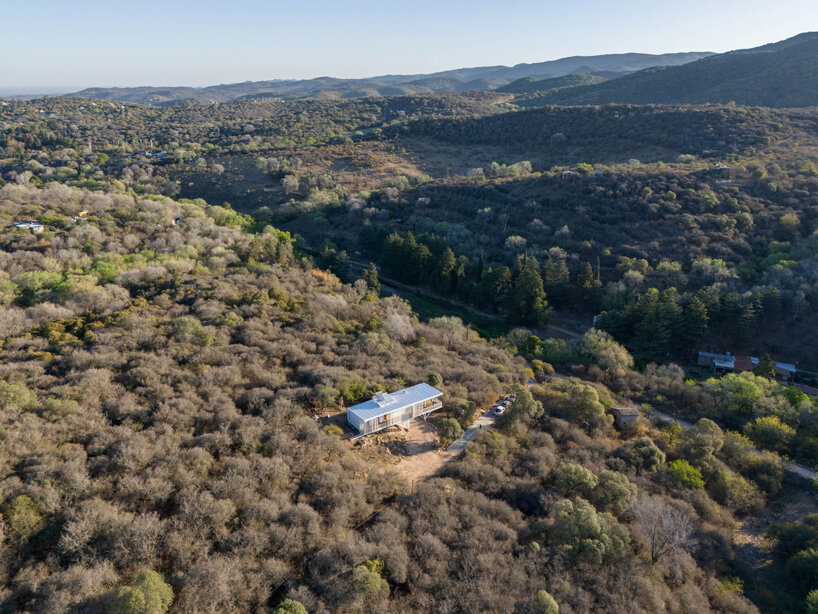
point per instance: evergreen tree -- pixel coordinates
(692, 328)
(556, 280)
(526, 302)
(370, 276)
(442, 275)
(765, 367)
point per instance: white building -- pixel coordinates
(387, 409)
(34, 227)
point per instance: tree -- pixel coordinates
(769, 432)
(599, 347)
(435, 380)
(442, 276)
(686, 473)
(693, 325)
(666, 528)
(803, 567)
(643, 454)
(367, 581)
(370, 276)
(526, 302)
(547, 604)
(289, 606)
(614, 491)
(525, 406)
(765, 367)
(23, 516)
(595, 537)
(580, 403)
(574, 479)
(448, 429)
(812, 602)
(148, 594)
(290, 184)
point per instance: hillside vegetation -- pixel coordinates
(777, 75)
(457, 80)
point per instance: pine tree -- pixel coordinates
(765, 367)
(442, 275)
(693, 325)
(527, 303)
(370, 276)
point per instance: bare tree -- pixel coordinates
(666, 528)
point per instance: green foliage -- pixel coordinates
(613, 492)
(369, 583)
(803, 567)
(448, 430)
(599, 347)
(148, 594)
(578, 402)
(23, 516)
(16, 394)
(766, 367)
(289, 606)
(571, 480)
(686, 473)
(333, 430)
(811, 602)
(585, 534)
(524, 407)
(769, 432)
(642, 454)
(435, 380)
(546, 603)
(526, 302)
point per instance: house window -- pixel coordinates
(384, 418)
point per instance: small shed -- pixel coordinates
(623, 416)
(387, 409)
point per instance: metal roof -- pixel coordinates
(386, 402)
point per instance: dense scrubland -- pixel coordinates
(165, 355)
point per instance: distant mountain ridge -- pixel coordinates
(462, 79)
(783, 74)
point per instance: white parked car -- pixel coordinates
(499, 409)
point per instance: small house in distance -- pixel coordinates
(33, 227)
(623, 416)
(387, 409)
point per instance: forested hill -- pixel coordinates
(463, 79)
(783, 74)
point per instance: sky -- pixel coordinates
(70, 44)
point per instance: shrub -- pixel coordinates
(289, 606)
(448, 429)
(769, 432)
(23, 516)
(17, 395)
(435, 380)
(642, 454)
(574, 479)
(369, 582)
(588, 535)
(149, 594)
(547, 604)
(686, 473)
(614, 491)
(803, 567)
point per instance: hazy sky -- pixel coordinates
(61, 43)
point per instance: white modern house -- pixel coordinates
(33, 227)
(387, 409)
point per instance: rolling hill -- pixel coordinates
(463, 79)
(783, 74)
